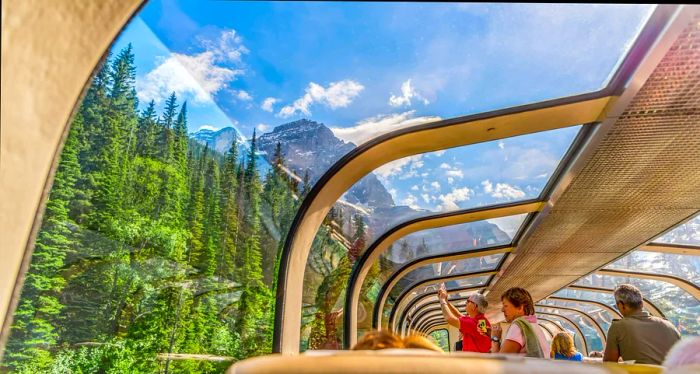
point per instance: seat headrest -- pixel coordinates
(408, 361)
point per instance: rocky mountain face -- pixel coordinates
(309, 146)
(219, 140)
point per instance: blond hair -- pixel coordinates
(383, 339)
(417, 341)
(373, 340)
(563, 343)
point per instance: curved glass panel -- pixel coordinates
(447, 268)
(433, 287)
(478, 175)
(593, 338)
(554, 328)
(157, 239)
(680, 308)
(441, 338)
(484, 263)
(605, 298)
(600, 315)
(450, 239)
(683, 266)
(568, 327)
(346, 108)
(434, 300)
(154, 248)
(685, 234)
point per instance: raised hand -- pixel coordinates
(442, 292)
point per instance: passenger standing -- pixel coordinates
(474, 326)
(638, 336)
(524, 334)
(563, 348)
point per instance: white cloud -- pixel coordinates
(194, 77)
(208, 127)
(374, 126)
(449, 201)
(435, 185)
(501, 145)
(455, 173)
(407, 93)
(243, 95)
(228, 47)
(439, 153)
(337, 95)
(268, 103)
(543, 175)
(262, 127)
(397, 166)
(450, 180)
(410, 201)
(502, 190)
(426, 198)
(414, 188)
(445, 166)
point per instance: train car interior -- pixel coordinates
(349, 187)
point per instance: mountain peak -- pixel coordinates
(302, 124)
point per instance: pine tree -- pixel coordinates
(180, 138)
(147, 135)
(166, 143)
(229, 219)
(37, 316)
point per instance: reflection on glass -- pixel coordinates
(450, 239)
(478, 175)
(685, 234)
(593, 338)
(683, 266)
(153, 247)
(447, 268)
(680, 307)
(434, 301)
(567, 326)
(599, 314)
(432, 288)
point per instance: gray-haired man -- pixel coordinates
(638, 336)
(475, 328)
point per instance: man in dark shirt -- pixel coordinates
(474, 326)
(638, 336)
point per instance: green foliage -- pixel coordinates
(151, 244)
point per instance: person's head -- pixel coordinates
(628, 299)
(595, 354)
(685, 352)
(563, 343)
(417, 341)
(476, 304)
(374, 340)
(517, 302)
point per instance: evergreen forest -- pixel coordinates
(157, 254)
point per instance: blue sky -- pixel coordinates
(367, 68)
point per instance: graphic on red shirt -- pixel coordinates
(475, 333)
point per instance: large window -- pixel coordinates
(209, 123)
(679, 307)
